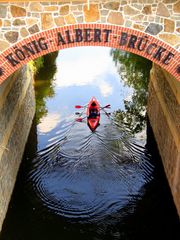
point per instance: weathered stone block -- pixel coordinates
(128, 10)
(169, 25)
(154, 28)
(7, 23)
(80, 19)
(176, 7)
(115, 18)
(35, 7)
(112, 5)
(139, 6)
(147, 10)
(59, 21)
(64, 10)
(170, 38)
(51, 8)
(70, 19)
(33, 29)
(139, 17)
(92, 14)
(3, 11)
(104, 12)
(17, 11)
(31, 21)
(24, 32)
(139, 27)
(18, 22)
(47, 21)
(3, 45)
(11, 36)
(162, 10)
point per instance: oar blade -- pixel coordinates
(78, 106)
(107, 106)
(79, 119)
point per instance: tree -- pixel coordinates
(134, 71)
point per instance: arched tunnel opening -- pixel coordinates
(107, 184)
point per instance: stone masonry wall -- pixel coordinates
(25, 22)
(160, 18)
(16, 113)
(164, 115)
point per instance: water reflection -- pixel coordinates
(87, 176)
(80, 75)
(134, 71)
(84, 185)
(44, 86)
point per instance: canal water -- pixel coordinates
(78, 184)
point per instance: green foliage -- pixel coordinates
(134, 71)
(37, 64)
(44, 87)
(49, 67)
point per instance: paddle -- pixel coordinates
(107, 106)
(80, 119)
(79, 106)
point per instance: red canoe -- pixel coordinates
(93, 114)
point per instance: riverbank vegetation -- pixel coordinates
(44, 67)
(36, 64)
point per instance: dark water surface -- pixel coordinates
(75, 184)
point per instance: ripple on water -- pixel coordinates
(86, 176)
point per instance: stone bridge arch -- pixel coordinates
(31, 29)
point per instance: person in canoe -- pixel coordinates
(93, 112)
